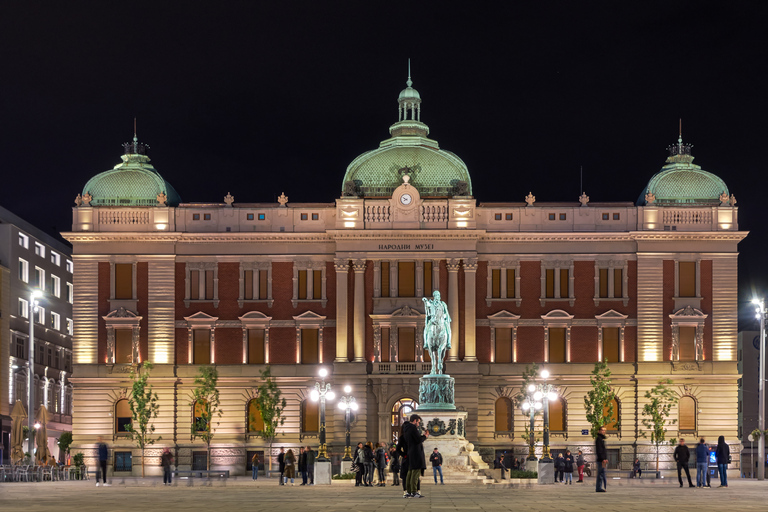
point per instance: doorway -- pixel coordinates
(401, 411)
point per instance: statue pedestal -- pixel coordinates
(436, 393)
(546, 472)
(447, 434)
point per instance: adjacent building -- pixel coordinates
(651, 286)
(32, 260)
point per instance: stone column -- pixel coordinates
(359, 319)
(342, 274)
(470, 315)
(453, 306)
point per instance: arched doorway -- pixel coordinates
(401, 411)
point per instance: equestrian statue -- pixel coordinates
(437, 331)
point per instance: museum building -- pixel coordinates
(650, 286)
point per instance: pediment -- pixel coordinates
(688, 312)
(255, 315)
(503, 315)
(308, 316)
(121, 312)
(557, 314)
(407, 311)
(611, 314)
(201, 318)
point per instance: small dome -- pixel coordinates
(134, 182)
(409, 93)
(681, 182)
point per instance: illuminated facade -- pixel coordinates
(651, 286)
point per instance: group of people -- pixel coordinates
(564, 466)
(289, 464)
(722, 458)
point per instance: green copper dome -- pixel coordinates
(433, 171)
(681, 182)
(134, 182)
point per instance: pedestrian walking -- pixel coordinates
(499, 464)
(281, 464)
(381, 464)
(723, 455)
(303, 465)
(255, 465)
(636, 471)
(369, 459)
(437, 465)
(568, 467)
(702, 458)
(394, 465)
(580, 466)
(166, 460)
(358, 460)
(601, 454)
(559, 466)
(414, 440)
(311, 457)
(290, 467)
(682, 456)
(103, 457)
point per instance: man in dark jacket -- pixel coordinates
(437, 465)
(416, 459)
(310, 453)
(402, 452)
(103, 457)
(281, 463)
(360, 467)
(381, 464)
(723, 455)
(682, 455)
(303, 465)
(702, 459)
(601, 454)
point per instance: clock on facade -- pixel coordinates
(406, 199)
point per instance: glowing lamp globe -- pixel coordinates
(314, 395)
(544, 374)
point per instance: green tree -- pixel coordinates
(207, 406)
(529, 377)
(144, 409)
(270, 404)
(659, 403)
(64, 442)
(598, 402)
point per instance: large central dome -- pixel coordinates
(433, 171)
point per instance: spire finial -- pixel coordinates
(409, 82)
(135, 138)
(680, 136)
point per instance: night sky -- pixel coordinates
(257, 98)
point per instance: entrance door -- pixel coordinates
(401, 411)
(613, 458)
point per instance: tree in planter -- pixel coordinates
(659, 403)
(144, 408)
(64, 442)
(270, 405)
(206, 406)
(529, 378)
(598, 402)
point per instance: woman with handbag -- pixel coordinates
(290, 467)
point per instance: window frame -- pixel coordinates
(309, 320)
(510, 422)
(23, 270)
(201, 266)
(504, 320)
(23, 240)
(39, 250)
(557, 319)
(308, 266)
(557, 266)
(611, 266)
(256, 267)
(503, 266)
(255, 320)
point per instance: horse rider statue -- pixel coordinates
(437, 331)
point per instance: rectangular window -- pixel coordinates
(206, 216)
(201, 349)
(406, 279)
(687, 341)
(557, 345)
(248, 284)
(497, 216)
(55, 321)
(56, 286)
(564, 282)
(687, 279)
(209, 285)
(256, 346)
(315, 216)
(70, 266)
(406, 340)
(70, 293)
(263, 284)
(21, 348)
(550, 283)
(123, 346)
(262, 216)
(562, 216)
(428, 278)
(195, 216)
(56, 359)
(23, 270)
(70, 327)
(603, 283)
(317, 284)
(606, 216)
(201, 284)
(503, 345)
(385, 347)
(302, 284)
(39, 250)
(123, 461)
(611, 344)
(509, 216)
(123, 281)
(309, 346)
(618, 282)
(496, 283)
(55, 258)
(24, 240)
(303, 216)
(194, 284)
(551, 216)
(40, 278)
(23, 308)
(49, 356)
(616, 216)
(40, 315)
(385, 279)
(249, 216)
(511, 283)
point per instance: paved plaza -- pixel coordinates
(241, 494)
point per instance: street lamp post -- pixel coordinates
(33, 296)
(347, 403)
(761, 314)
(322, 392)
(548, 393)
(531, 405)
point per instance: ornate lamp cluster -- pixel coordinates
(347, 403)
(322, 392)
(538, 397)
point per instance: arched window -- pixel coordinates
(503, 414)
(557, 415)
(255, 422)
(613, 423)
(200, 416)
(122, 417)
(687, 414)
(310, 416)
(401, 412)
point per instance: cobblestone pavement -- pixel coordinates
(242, 494)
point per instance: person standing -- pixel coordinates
(103, 457)
(303, 465)
(437, 465)
(290, 467)
(255, 465)
(559, 466)
(568, 467)
(723, 455)
(166, 459)
(499, 464)
(394, 465)
(402, 452)
(682, 456)
(580, 465)
(369, 458)
(359, 460)
(602, 461)
(414, 440)
(702, 458)
(281, 464)
(311, 464)
(381, 464)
